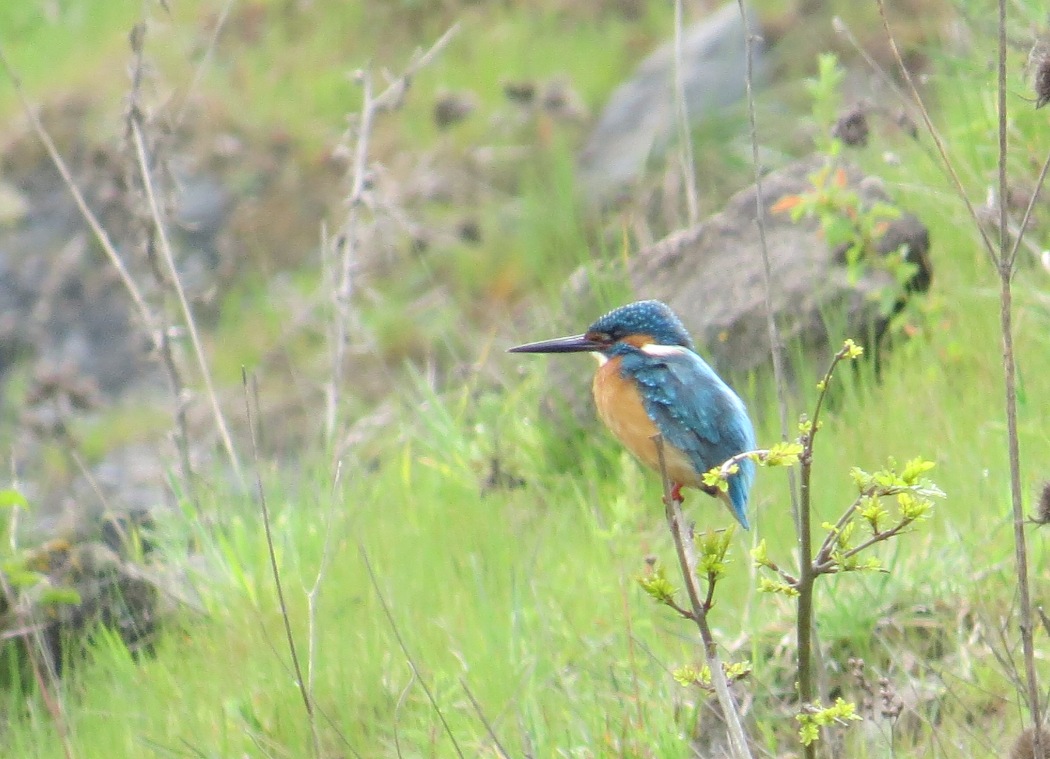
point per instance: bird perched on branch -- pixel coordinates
(651, 381)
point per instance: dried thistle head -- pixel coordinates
(1039, 65)
(852, 127)
(1042, 508)
(453, 107)
(1024, 746)
(522, 92)
(891, 703)
(907, 124)
(866, 705)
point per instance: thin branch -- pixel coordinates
(1003, 258)
(935, 135)
(1028, 212)
(685, 141)
(805, 633)
(829, 540)
(187, 312)
(878, 538)
(484, 720)
(776, 345)
(205, 60)
(275, 569)
(372, 104)
(86, 213)
(683, 543)
(180, 394)
(404, 648)
(1006, 266)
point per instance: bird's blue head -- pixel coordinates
(641, 323)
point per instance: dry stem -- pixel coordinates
(187, 312)
(1003, 258)
(404, 649)
(346, 243)
(775, 344)
(264, 508)
(685, 141)
(682, 536)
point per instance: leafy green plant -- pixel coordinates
(851, 228)
(865, 522)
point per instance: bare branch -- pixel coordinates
(685, 141)
(404, 648)
(935, 135)
(687, 562)
(285, 617)
(776, 345)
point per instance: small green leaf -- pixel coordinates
(712, 548)
(10, 498)
(759, 554)
(783, 454)
(914, 469)
(841, 711)
(688, 674)
(713, 479)
(20, 577)
(657, 586)
(736, 670)
(765, 585)
(809, 732)
(852, 350)
(57, 596)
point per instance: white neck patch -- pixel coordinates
(662, 351)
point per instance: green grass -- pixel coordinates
(526, 596)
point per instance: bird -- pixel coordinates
(650, 381)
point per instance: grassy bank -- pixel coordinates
(504, 602)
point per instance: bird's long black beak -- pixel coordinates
(571, 344)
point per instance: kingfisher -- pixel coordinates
(650, 381)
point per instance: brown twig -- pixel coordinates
(934, 134)
(101, 236)
(1006, 261)
(346, 241)
(682, 537)
(776, 345)
(1003, 258)
(807, 574)
(180, 394)
(685, 141)
(1019, 234)
(187, 313)
(404, 649)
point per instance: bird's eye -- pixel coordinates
(600, 337)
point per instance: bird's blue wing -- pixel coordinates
(696, 412)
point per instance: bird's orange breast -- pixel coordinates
(621, 408)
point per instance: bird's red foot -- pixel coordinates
(676, 492)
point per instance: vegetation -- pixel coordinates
(466, 582)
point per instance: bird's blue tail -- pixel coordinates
(739, 487)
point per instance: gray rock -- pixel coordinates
(639, 119)
(60, 301)
(711, 275)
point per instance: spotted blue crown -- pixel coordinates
(645, 317)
